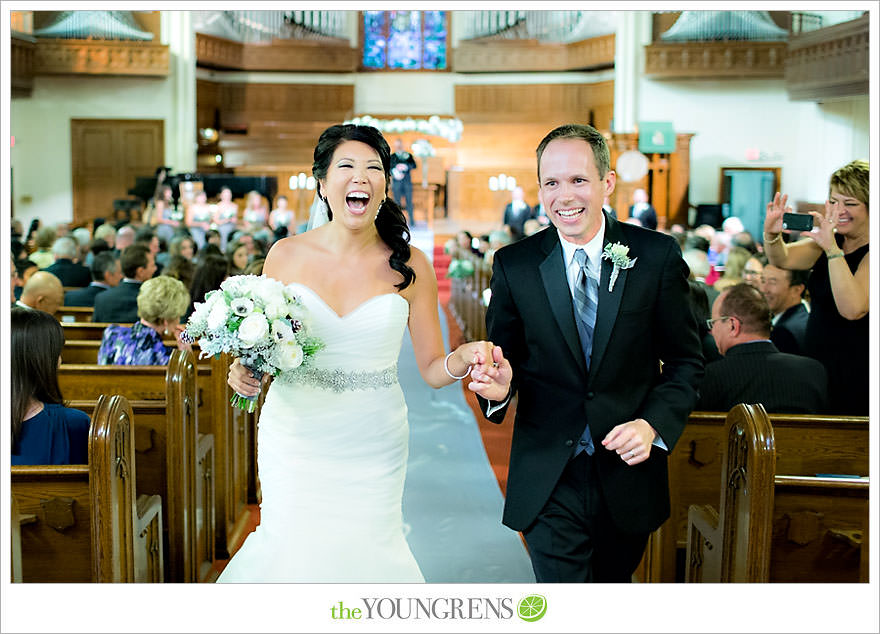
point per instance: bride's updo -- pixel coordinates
(390, 221)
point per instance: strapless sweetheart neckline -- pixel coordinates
(355, 309)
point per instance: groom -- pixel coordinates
(606, 365)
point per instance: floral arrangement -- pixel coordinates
(257, 319)
(619, 255)
(460, 269)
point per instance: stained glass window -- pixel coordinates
(404, 40)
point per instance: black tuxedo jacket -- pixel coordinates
(70, 273)
(646, 319)
(117, 305)
(790, 332)
(83, 296)
(757, 372)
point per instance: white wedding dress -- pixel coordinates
(332, 451)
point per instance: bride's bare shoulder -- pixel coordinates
(288, 253)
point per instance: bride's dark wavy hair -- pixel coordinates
(390, 221)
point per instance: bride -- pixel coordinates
(333, 438)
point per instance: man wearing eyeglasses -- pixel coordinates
(752, 369)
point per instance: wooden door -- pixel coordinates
(107, 157)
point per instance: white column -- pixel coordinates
(181, 145)
(633, 33)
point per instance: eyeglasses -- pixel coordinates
(711, 322)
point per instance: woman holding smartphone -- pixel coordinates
(836, 250)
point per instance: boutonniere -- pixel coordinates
(619, 256)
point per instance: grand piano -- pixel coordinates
(145, 186)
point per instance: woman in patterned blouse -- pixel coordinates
(162, 301)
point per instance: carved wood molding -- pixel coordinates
(22, 64)
(100, 57)
(529, 55)
(829, 62)
(717, 60)
(278, 55)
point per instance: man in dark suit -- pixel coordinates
(402, 165)
(642, 210)
(784, 291)
(516, 212)
(753, 370)
(119, 305)
(106, 273)
(65, 269)
(595, 417)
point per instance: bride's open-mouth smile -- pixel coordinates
(357, 202)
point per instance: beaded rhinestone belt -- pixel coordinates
(340, 380)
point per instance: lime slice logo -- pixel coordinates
(532, 608)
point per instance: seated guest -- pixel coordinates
(24, 269)
(105, 233)
(180, 268)
(119, 305)
(14, 282)
(161, 303)
(125, 237)
(784, 291)
(208, 276)
(183, 245)
(753, 370)
(753, 271)
(43, 291)
(733, 268)
(106, 273)
(237, 257)
(44, 432)
(255, 267)
(699, 303)
(70, 273)
(147, 236)
(44, 238)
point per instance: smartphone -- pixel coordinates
(797, 222)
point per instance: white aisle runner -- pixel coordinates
(451, 501)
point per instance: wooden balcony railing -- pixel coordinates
(829, 62)
(691, 60)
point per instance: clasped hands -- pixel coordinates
(491, 373)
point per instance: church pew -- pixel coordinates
(234, 472)
(82, 523)
(167, 442)
(84, 331)
(770, 526)
(70, 314)
(805, 445)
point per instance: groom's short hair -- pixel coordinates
(580, 131)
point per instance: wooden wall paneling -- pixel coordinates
(469, 196)
(552, 104)
(106, 157)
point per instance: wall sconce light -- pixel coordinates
(502, 182)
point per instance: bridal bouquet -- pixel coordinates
(257, 319)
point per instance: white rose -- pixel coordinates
(276, 308)
(237, 284)
(267, 290)
(218, 315)
(288, 355)
(281, 331)
(242, 306)
(252, 330)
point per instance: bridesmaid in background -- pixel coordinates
(225, 216)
